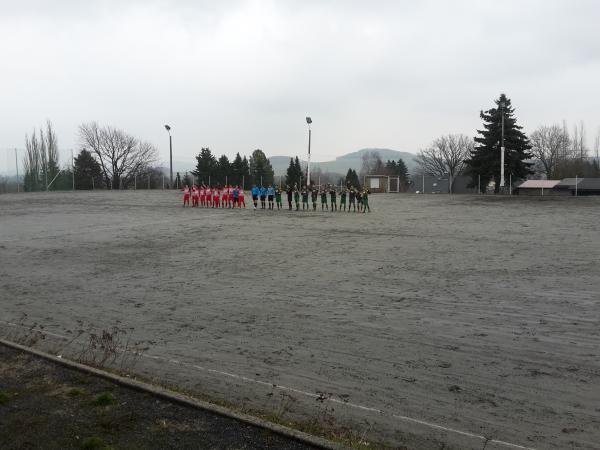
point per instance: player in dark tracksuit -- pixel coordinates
(333, 194)
(358, 200)
(324, 199)
(351, 197)
(343, 199)
(304, 198)
(297, 197)
(290, 195)
(314, 194)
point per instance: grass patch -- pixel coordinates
(104, 399)
(94, 443)
(76, 392)
(4, 398)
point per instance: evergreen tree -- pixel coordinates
(223, 170)
(64, 181)
(352, 179)
(206, 166)
(485, 158)
(300, 177)
(88, 173)
(397, 169)
(402, 172)
(177, 181)
(294, 174)
(290, 174)
(245, 173)
(260, 169)
(237, 169)
(391, 168)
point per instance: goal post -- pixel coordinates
(393, 184)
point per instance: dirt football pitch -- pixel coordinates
(435, 321)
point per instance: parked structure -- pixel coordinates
(382, 183)
(427, 184)
(566, 186)
(539, 187)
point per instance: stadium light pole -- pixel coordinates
(502, 104)
(168, 128)
(308, 121)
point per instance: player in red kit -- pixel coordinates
(230, 196)
(195, 195)
(186, 195)
(241, 200)
(216, 198)
(202, 193)
(208, 195)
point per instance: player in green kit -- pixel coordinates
(358, 199)
(314, 194)
(305, 198)
(365, 201)
(343, 199)
(278, 197)
(324, 199)
(297, 197)
(333, 195)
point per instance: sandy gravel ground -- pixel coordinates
(433, 322)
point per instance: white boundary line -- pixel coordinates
(312, 395)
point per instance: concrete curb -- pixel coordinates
(182, 399)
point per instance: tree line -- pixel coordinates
(549, 151)
(110, 158)
(241, 171)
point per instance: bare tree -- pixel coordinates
(32, 163)
(597, 146)
(547, 145)
(121, 156)
(372, 164)
(578, 142)
(51, 144)
(446, 157)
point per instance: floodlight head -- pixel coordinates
(167, 127)
(308, 120)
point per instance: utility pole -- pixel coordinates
(502, 105)
(17, 166)
(308, 121)
(168, 128)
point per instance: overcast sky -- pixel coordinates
(239, 75)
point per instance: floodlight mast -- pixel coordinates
(308, 121)
(168, 128)
(502, 105)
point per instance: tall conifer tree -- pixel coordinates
(205, 166)
(484, 161)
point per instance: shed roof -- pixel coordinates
(591, 184)
(538, 184)
(569, 183)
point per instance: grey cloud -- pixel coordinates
(237, 75)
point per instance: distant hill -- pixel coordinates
(341, 164)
